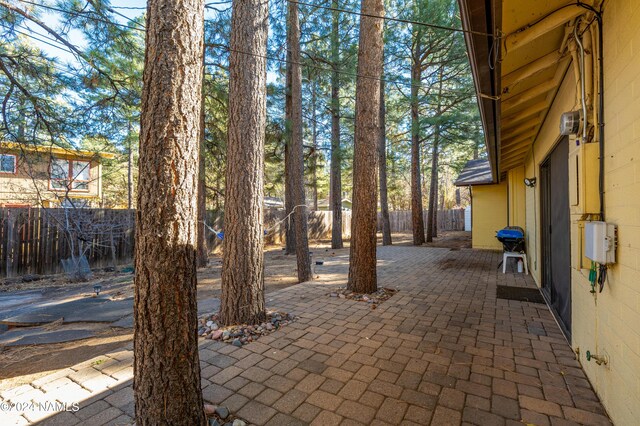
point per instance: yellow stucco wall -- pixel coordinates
(607, 323)
(489, 214)
(517, 194)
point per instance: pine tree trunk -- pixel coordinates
(243, 264)
(335, 193)
(439, 206)
(314, 137)
(289, 177)
(432, 217)
(203, 257)
(295, 163)
(362, 259)
(417, 219)
(166, 364)
(382, 167)
(289, 203)
(130, 188)
(218, 186)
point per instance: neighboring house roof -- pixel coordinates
(475, 172)
(56, 150)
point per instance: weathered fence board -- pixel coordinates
(34, 241)
(448, 220)
(275, 225)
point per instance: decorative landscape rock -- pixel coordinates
(220, 415)
(374, 299)
(223, 412)
(239, 335)
(30, 277)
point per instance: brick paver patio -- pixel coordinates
(442, 351)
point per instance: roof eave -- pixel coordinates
(484, 17)
(13, 146)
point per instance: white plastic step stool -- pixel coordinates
(507, 254)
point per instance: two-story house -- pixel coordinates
(49, 176)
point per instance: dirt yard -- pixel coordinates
(22, 364)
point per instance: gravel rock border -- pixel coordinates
(238, 335)
(373, 299)
(218, 415)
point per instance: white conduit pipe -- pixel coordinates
(582, 96)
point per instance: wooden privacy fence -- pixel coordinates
(448, 220)
(35, 241)
(275, 224)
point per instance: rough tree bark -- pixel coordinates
(295, 160)
(382, 171)
(203, 257)
(130, 188)
(335, 192)
(289, 203)
(432, 217)
(432, 214)
(166, 365)
(417, 219)
(362, 258)
(314, 140)
(243, 264)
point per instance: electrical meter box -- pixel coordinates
(601, 239)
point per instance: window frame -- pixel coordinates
(74, 180)
(15, 164)
(69, 180)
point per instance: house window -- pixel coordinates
(70, 175)
(7, 163)
(80, 170)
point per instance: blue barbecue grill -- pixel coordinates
(512, 239)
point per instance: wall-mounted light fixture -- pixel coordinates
(530, 182)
